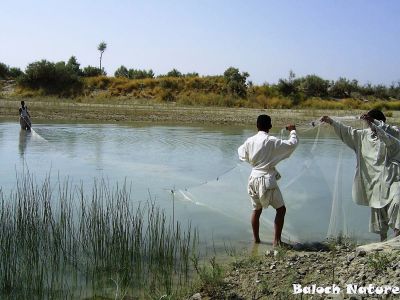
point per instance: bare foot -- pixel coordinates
(257, 241)
(281, 244)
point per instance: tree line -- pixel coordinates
(68, 79)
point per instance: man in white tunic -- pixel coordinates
(377, 179)
(264, 152)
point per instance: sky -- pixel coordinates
(356, 39)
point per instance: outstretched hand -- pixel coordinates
(326, 119)
(290, 127)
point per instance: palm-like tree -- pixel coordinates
(102, 47)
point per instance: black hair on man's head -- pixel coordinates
(264, 123)
(22, 103)
(377, 115)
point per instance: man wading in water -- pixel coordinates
(24, 117)
(264, 152)
(376, 182)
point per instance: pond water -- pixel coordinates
(194, 171)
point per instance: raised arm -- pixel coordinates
(286, 147)
(389, 135)
(347, 134)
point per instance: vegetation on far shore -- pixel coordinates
(231, 89)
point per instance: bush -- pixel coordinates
(15, 73)
(9, 73)
(313, 86)
(51, 78)
(90, 71)
(99, 82)
(3, 71)
(140, 74)
(174, 73)
(236, 82)
(343, 88)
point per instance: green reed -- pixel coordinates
(60, 241)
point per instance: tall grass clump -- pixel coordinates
(58, 241)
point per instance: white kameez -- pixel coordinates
(377, 178)
(264, 152)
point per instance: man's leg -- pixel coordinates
(396, 232)
(279, 220)
(383, 235)
(255, 223)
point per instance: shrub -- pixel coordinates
(236, 82)
(140, 74)
(99, 82)
(174, 73)
(3, 71)
(15, 72)
(51, 78)
(343, 88)
(90, 71)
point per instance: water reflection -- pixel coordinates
(24, 138)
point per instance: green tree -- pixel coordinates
(74, 66)
(394, 90)
(314, 86)
(15, 72)
(122, 71)
(51, 78)
(140, 74)
(236, 82)
(174, 73)
(90, 71)
(191, 74)
(102, 47)
(381, 91)
(287, 87)
(343, 88)
(4, 69)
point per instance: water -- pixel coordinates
(195, 173)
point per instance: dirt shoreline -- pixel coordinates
(272, 274)
(154, 112)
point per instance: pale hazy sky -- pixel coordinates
(331, 38)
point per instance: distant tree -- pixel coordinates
(343, 88)
(174, 73)
(90, 71)
(52, 78)
(122, 71)
(236, 81)
(191, 74)
(140, 74)
(367, 90)
(74, 66)
(15, 72)
(394, 90)
(381, 91)
(286, 87)
(4, 69)
(314, 86)
(102, 47)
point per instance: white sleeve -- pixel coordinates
(284, 148)
(388, 134)
(243, 152)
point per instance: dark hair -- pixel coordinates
(22, 103)
(377, 115)
(264, 122)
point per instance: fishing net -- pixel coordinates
(316, 186)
